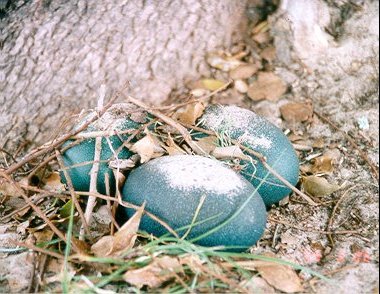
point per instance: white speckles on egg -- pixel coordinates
(232, 118)
(260, 141)
(197, 171)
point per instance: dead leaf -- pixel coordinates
(155, 274)
(296, 112)
(6, 189)
(319, 143)
(193, 262)
(198, 92)
(281, 277)
(124, 164)
(229, 152)
(257, 285)
(191, 113)
(172, 148)
(262, 37)
(43, 236)
(122, 241)
(269, 54)
(323, 164)
(148, 147)
(268, 86)
(212, 84)
(244, 71)
(208, 144)
(318, 187)
(222, 61)
(53, 182)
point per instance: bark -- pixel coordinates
(56, 55)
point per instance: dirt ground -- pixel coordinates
(330, 67)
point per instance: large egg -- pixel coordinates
(260, 135)
(79, 159)
(232, 214)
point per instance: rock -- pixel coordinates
(260, 135)
(241, 86)
(81, 156)
(173, 187)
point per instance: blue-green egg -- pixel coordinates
(232, 213)
(258, 134)
(79, 159)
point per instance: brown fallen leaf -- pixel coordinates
(296, 112)
(122, 241)
(319, 143)
(208, 144)
(281, 277)
(244, 71)
(318, 187)
(193, 262)
(222, 61)
(155, 274)
(323, 164)
(172, 148)
(191, 113)
(53, 182)
(148, 147)
(229, 152)
(269, 54)
(257, 285)
(212, 84)
(262, 37)
(268, 86)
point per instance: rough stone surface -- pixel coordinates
(56, 54)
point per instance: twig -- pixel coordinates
(343, 232)
(331, 220)
(44, 149)
(41, 250)
(364, 156)
(91, 202)
(182, 130)
(72, 192)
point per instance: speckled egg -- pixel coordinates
(79, 158)
(260, 135)
(232, 215)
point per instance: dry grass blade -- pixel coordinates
(122, 241)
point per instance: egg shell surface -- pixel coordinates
(260, 135)
(173, 187)
(79, 158)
